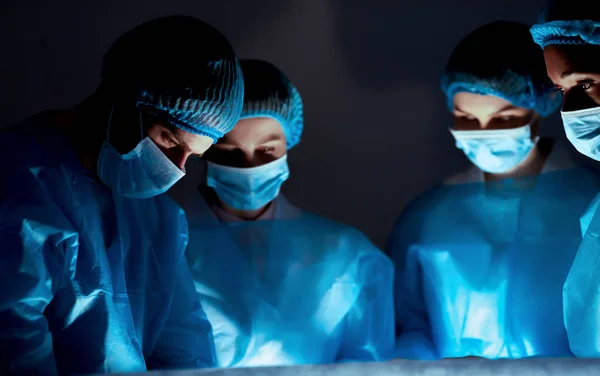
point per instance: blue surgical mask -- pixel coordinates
(496, 151)
(142, 173)
(247, 188)
(583, 131)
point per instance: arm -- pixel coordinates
(413, 331)
(186, 340)
(369, 325)
(33, 257)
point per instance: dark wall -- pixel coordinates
(376, 125)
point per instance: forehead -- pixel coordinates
(481, 103)
(557, 62)
(562, 59)
(254, 130)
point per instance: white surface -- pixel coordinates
(459, 367)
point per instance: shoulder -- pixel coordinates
(341, 237)
(167, 204)
(430, 206)
(424, 204)
(171, 217)
(559, 158)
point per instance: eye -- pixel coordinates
(587, 86)
(506, 118)
(557, 89)
(169, 140)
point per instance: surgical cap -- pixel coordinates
(180, 69)
(269, 93)
(573, 22)
(500, 59)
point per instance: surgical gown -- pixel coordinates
(90, 282)
(581, 292)
(481, 266)
(290, 289)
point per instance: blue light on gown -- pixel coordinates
(480, 267)
(298, 289)
(91, 281)
(581, 292)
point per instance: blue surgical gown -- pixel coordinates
(89, 281)
(481, 266)
(293, 289)
(581, 292)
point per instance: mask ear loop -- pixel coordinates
(141, 124)
(112, 109)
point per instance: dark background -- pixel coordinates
(368, 70)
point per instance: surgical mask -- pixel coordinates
(583, 130)
(247, 188)
(142, 173)
(496, 151)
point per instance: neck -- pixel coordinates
(85, 130)
(246, 215)
(531, 166)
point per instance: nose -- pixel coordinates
(178, 157)
(484, 122)
(248, 159)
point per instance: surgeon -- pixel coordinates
(481, 258)
(570, 38)
(93, 277)
(280, 286)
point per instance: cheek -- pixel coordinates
(595, 95)
(280, 152)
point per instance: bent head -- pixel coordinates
(497, 90)
(570, 39)
(252, 142)
(248, 165)
(174, 87)
(575, 70)
(487, 112)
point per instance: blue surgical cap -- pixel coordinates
(500, 59)
(566, 32)
(180, 69)
(573, 22)
(269, 93)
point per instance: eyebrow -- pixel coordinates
(502, 109)
(268, 138)
(566, 74)
(271, 137)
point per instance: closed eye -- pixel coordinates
(266, 149)
(169, 140)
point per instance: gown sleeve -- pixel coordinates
(369, 325)
(186, 340)
(38, 251)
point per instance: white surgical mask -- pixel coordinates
(582, 128)
(496, 151)
(247, 188)
(142, 173)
